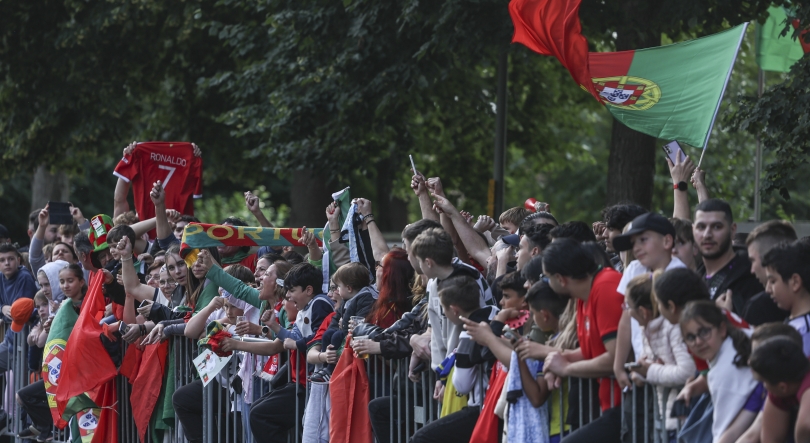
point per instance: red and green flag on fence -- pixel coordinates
(670, 92)
(78, 372)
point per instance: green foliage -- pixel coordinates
(219, 207)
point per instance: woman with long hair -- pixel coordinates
(394, 286)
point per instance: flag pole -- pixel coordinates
(758, 177)
(728, 76)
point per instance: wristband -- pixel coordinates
(126, 259)
(370, 221)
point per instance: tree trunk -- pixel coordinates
(631, 165)
(309, 196)
(391, 212)
(47, 187)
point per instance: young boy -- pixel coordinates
(432, 252)
(652, 238)
(459, 299)
(353, 282)
(546, 307)
(787, 268)
(780, 364)
(271, 416)
(512, 217)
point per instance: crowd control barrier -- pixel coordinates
(411, 405)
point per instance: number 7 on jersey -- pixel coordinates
(168, 177)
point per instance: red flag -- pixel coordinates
(147, 385)
(349, 392)
(86, 365)
(551, 27)
(486, 428)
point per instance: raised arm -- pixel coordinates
(196, 325)
(132, 286)
(434, 185)
(680, 171)
(233, 285)
(699, 182)
(158, 195)
(122, 188)
(476, 246)
(309, 240)
(254, 205)
(378, 243)
(425, 204)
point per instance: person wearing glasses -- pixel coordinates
(710, 335)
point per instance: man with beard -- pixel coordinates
(730, 283)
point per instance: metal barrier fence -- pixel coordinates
(410, 405)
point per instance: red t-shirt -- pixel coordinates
(788, 403)
(174, 164)
(737, 322)
(597, 322)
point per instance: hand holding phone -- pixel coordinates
(59, 213)
(674, 152)
(413, 166)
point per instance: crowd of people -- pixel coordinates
(512, 315)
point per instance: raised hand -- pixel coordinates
(44, 217)
(124, 248)
(158, 194)
(441, 204)
(363, 206)
(434, 185)
(252, 202)
(197, 150)
(681, 170)
(418, 184)
(130, 147)
(205, 259)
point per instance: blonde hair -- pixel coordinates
(567, 338)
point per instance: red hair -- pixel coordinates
(394, 287)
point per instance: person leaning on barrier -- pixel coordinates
(272, 416)
(573, 272)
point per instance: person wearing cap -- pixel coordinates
(651, 237)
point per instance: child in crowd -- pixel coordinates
(781, 365)
(787, 267)
(512, 218)
(39, 332)
(711, 337)
(353, 282)
(665, 362)
(460, 300)
(546, 307)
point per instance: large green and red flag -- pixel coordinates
(92, 413)
(776, 52)
(199, 235)
(86, 365)
(670, 92)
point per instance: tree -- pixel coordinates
(779, 118)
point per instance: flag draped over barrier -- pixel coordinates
(200, 235)
(670, 92)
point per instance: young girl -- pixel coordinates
(72, 284)
(711, 337)
(666, 362)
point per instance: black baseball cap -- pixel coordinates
(644, 222)
(511, 239)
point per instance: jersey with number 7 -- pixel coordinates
(174, 164)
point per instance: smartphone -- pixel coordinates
(679, 409)
(123, 328)
(511, 334)
(672, 150)
(144, 304)
(632, 365)
(413, 166)
(59, 213)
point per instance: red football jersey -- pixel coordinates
(174, 164)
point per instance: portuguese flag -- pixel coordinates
(670, 92)
(774, 51)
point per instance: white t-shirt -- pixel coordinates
(634, 269)
(729, 386)
(802, 324)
